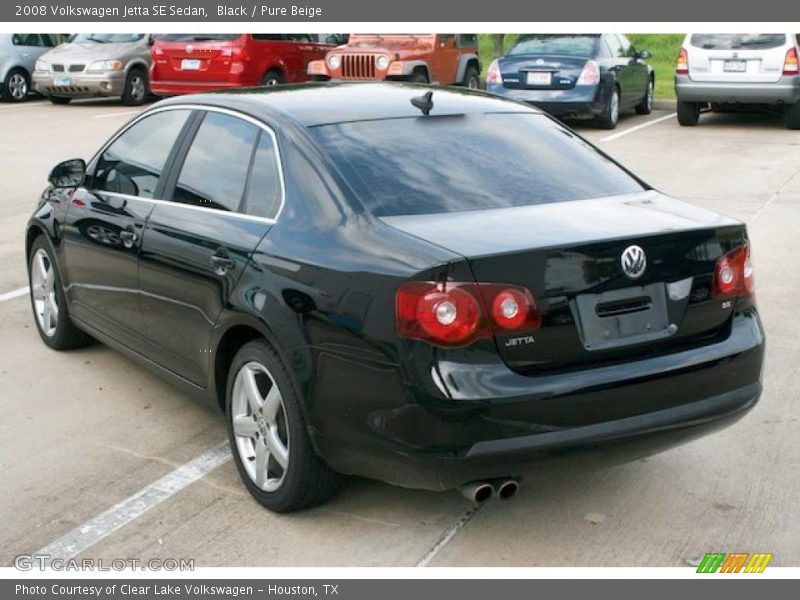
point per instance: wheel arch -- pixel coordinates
(464, 62)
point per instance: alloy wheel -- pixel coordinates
(43, 290)
(613, 110)
(138, 88)
(259, 426)
(18, 86)
(649, 96)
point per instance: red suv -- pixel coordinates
(184, 63)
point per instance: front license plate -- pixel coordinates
(63, 80)
(190, 64)
(539, 78)
(734, 66)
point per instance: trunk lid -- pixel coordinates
(569, 255)
(193, 57)
(541, 72)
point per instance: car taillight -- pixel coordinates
(590, 74)
(682, 68)
(493, 75)
(790, 66)
(733, 274)
(457, 314)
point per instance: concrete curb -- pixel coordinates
(664, 104)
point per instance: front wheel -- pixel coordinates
(610, 116)
(688, 113)
(268, 434)
(49, 303)
(136, 88)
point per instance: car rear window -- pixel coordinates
(565, 45)
(467, 162)
(198, 37)
(738, 41)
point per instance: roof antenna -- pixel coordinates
(424, 102)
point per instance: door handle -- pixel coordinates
(222, 264)
(128, 238)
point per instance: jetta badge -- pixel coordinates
(633, 262)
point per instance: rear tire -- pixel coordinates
(50, 312)
(610, 116)
(645, 107)
(272, 77)
(270, 428)
(16, 86)
(136, 88)
(793, 116)
(688, 113)
(472, 79)
(59, 99)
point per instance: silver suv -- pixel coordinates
(96, 65)
(723, 69)
(18, 54)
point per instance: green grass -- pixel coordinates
(664, 48)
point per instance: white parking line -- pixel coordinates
(616, 136)
(92, 531)
(117, 114)
(14, 294)
(448, 535)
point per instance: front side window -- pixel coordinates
(442, 164)
(214, 172)
(133, 163)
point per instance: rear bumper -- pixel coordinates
(784, 91)
(177, 88)
(579, 102)
(81, 85)
(507, 425)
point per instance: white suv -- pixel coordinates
(726, 69)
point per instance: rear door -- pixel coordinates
(104, 226)
(197, 245)
(739, 57)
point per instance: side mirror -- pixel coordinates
(68, 174)
(645, 54)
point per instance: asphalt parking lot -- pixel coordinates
(83, 431)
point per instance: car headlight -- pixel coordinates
(105, 65)
(334, 61)
(382, 62)
(41, 66)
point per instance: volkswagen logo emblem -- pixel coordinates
(189, 49)
(633, 262)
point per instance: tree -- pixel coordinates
(497, 44)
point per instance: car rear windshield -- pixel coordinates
(564, 45)
(199, 37)
(468, 162)
(738, 41)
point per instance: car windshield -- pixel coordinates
(107, 38)
(199, 37)
(737, 41)
(565, 45)
(468, 162)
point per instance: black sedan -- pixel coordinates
(436, 288)
(584, 76)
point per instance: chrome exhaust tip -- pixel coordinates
(506, 489)
(478, 492)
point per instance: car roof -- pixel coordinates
(327, 103)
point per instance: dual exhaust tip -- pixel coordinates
(480, 492)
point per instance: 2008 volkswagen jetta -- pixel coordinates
(427, 286)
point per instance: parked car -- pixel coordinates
(196, 62)
(738, 71)
(95, 65)
(365, 287)
(18, 55)
(578, 76)
(445, 58)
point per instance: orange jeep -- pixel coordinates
(446, 58)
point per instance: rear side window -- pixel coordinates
(264, 188)
(738, 41)
(468, 162)
(133, 163)
(214, 172)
